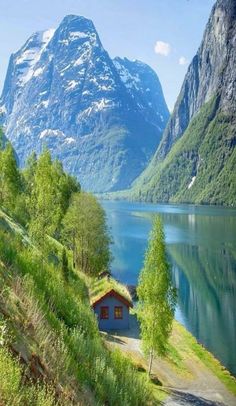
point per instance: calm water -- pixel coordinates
(201, 244)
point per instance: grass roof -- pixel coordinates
(99, 287)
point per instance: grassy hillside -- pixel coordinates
(200, 168)
(50, 345)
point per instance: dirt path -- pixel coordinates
(196, 386)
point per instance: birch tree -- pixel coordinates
(157, 297)
(45, 201)
(10, 180)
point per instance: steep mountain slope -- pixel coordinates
(196, 161)
(21, 69)
(144, 87)
(62, 89)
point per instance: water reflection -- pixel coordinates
(201, 246)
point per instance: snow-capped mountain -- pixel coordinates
(102, 119)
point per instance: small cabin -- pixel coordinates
(112, 310)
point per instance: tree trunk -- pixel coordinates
(73, 251)
(150, 362)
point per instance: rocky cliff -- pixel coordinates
(195, 161)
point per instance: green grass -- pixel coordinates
(186, 347)
(10, 226)
(13, 392)
(51, 319)
(100, 287)
(160, 394)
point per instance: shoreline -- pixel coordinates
(189, 368)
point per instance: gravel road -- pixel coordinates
(201, 387)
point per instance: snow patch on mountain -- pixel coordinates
(47, 36)
(192, 182)
(3, 109)
(71, 85)
(69, 140)
(51, 133)
(77, 35)
(29, 56)
(38, 72)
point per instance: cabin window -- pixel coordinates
(118, 312)
(104, 312)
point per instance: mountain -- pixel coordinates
(196, 161)
(102, 119)
(144, 87)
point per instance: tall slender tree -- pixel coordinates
(65, 265)
(2, 140)
(29, 172)
(10, 180)
(157, 297)
(45, 201)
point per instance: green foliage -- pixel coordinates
(47, 299)
(11, 185)
(10, 181)
(12, 390)
(29, 173)
(206, 151)
(65, 328)
(66, 185)
(156, 295)
(45, 208)
(99, 287)
(2, 140)
(65, 265)
(48, 191)
(85, 232)
(188, 348)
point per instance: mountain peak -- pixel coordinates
(124, 59)
(37, 40)
(75, 101)
(73, 22)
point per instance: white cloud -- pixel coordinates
(162, 48)
(183, 61)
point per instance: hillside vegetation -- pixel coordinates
(49, 325)
(200, 166)
(51, 351)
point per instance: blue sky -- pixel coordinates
(163, 33)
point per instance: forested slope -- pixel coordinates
(51, 351)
